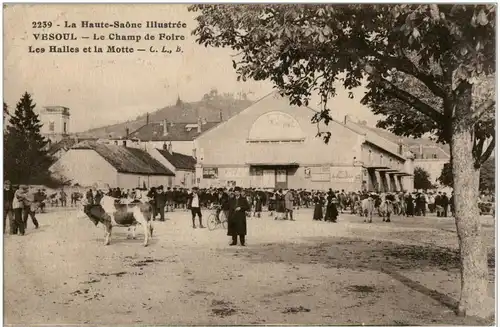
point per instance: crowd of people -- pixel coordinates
(21, 202)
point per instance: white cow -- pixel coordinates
(112, 212)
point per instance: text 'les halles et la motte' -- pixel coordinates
(134, 36)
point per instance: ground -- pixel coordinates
(303, 272)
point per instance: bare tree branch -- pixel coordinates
(484, 107)
(488, 151)
(412, 101)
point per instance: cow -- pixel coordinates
(367, 208)
(385, 209)
(113, 212)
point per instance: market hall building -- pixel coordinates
(272, 144)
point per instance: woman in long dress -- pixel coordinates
(331, 209)
(280, 205)
(318, 206)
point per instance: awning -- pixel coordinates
(388, 171)
(377, 167)
(402, 174)
(271, 164)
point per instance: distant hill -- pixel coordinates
(212, 108)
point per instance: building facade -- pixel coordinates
(431, 158)
(274, 145)
(55, 122)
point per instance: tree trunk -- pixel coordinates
(474, 299)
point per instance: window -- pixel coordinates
(434, 156)
(124, 143)
(51, 126)
(210, 173)
(65, 127)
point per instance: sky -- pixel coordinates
(107, 88)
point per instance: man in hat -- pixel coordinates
(237, 222)
(8, 198)
(288, 204)
(194, 204)
(161, 202)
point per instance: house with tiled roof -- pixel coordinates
(183, 166)
(88, 163)
(179, 137)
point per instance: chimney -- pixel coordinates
(199, 125)
(127, 132)
(147, 118)
(170, 147)
(421, 151)
(220, 115)
(165, 127)
(346, 118)
(164, 145)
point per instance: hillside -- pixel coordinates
(210, 108)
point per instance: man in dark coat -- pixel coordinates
(445, 202)
(8, 198)
(237, 223)
(161, 202)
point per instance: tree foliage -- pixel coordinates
(25, 156)
(415, 59)
(421, 179)
(486, 177)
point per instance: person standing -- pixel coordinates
(17, 206)
(161, 202)
(30, 207)
(258, 203)
(64, 198)
(318, 206)
(195, 206)
(439, 204)
(289, 204)
(237, 223)
(331, 208)
(8, 198)
(152, 202)
(445, 202)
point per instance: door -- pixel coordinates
(268, 178)
(281, 179)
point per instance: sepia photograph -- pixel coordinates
(249, 164)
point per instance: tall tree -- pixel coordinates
(443, 50)
(25, 157)
(421, 179)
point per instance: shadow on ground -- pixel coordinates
(368, 255)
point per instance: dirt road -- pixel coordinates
(302, 272)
